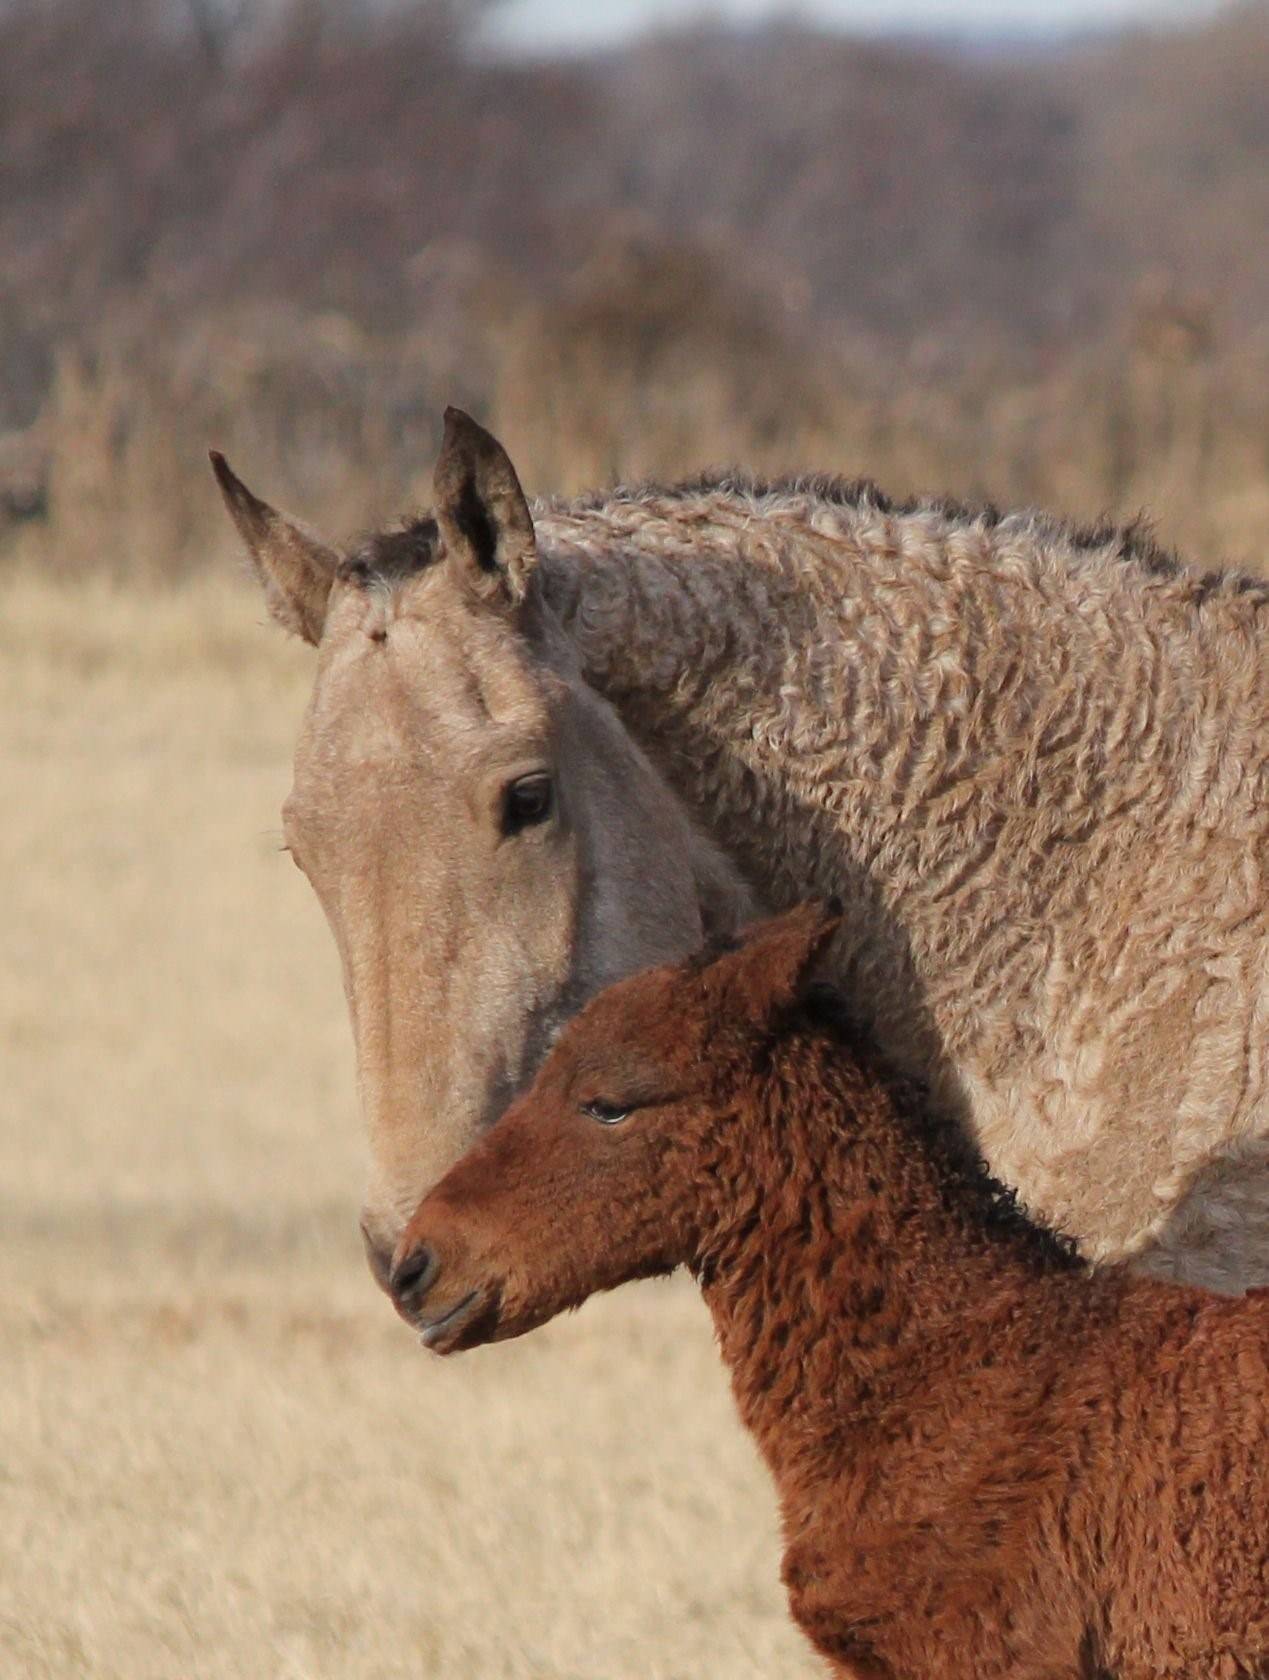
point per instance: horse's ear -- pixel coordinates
(777, 962)
(483, 516)
(295, 568)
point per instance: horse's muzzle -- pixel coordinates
(378, 1258)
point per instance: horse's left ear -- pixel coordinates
(482, 514)
(777, 962)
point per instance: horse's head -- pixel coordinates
(628, 1155)
(489, 845)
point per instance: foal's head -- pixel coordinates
(600, 1172)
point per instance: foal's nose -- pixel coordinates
(411, 1278)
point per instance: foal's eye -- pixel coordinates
(528, 800)
(607, 1113)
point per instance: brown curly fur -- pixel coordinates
(991, 1461)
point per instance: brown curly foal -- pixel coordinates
(991, 1461)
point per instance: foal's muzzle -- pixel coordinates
(410, 1278)
(444, 1317)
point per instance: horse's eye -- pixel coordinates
(528, 800)
(608, 1114)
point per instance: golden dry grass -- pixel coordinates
(220, 1455)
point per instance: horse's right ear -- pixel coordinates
(776, 962)
(294, 566)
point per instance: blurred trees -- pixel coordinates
(308, 224)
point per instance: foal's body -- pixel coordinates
(991, 1462)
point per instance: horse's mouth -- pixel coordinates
(442, 1335)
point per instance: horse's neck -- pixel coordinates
(842, 1264)
(922, 718)
(880, 677)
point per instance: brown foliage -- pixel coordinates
(990, 1462)
(301, 236)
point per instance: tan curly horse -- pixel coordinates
(546, 748)
(992, 1463)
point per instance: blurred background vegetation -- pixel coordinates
(297, 230)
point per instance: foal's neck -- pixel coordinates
(846, 1244)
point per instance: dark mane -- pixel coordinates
(395, 555)
(392, 556)
(1133, 542)
(967, 1184)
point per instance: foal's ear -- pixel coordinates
(294, 566)
(483, 516)
(776, 963)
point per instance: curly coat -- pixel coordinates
(992, 1461)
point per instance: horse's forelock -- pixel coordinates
(393, 556)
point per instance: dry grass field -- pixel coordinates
(220, 1454)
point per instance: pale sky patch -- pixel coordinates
(579, 25)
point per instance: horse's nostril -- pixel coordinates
(411, 1275)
